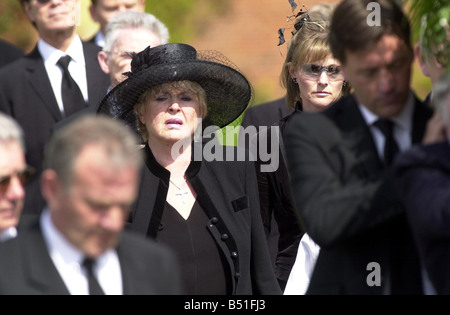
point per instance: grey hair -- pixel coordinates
(66, 143)
(10, 130)
(441, 92)
(133, 20)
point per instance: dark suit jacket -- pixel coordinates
(26, 95)
(266, 114)
(9, 52)
(228, 193)
(276, 200)
(27, 269)
(423, 176)
(348, 202)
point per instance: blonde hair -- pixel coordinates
(191, 86)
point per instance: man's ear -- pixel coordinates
(93, 13)
(50, 185)
(27, 10)
(102, 58)
(423, 65)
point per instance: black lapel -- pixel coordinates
(356, 133)
(38, 79)
(39, 267)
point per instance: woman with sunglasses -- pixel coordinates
(14, 174)
(313, 80)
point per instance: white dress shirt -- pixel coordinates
(68, 261)
(7, 234)
(77, 67)
(301, 271)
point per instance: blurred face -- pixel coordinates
(105, 9)
(118, 61)
(380, 75)
(53, 15)
(91, 213)
(170, 114)
(12, 192)
(320, 83)
(430, 66)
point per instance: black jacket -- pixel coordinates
(348, 203)
(228, 192)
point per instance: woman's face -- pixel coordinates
(170, 114)
(320, 83)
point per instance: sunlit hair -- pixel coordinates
(190, 86)
(133, 20)
(308, 45)
(10, 130)
(66, 144)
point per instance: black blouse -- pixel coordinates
(201, 260)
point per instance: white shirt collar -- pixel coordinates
(402, 129)
(403, 119)
(9, 233)
(57, 243)
(51, 54)
(100, 39)
(68, 260)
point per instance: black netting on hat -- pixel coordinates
(228, 92)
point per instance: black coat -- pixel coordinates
(348, 202)
(228, 192)
(276, 199)
(423, 176)
(26, 94)
(9, 53)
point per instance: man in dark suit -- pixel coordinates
(30, 88)
(90, 182)
(9, 52)
(423, 179)
(266, 114)
(103, 10)
(339, 159)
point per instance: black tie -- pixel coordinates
(390, 146)
(72, 97)
(94, 286)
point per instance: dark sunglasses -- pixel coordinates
(313, 71)
(24, 177)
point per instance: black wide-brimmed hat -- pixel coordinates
(228, 92)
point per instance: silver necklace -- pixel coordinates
(181, 192)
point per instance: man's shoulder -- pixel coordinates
(266, 114)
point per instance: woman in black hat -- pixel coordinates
(202, 204)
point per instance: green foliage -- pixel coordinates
(430, 23)
(186, 18)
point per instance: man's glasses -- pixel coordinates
(24, 177)
(313, 72)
